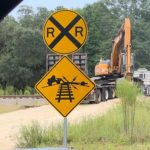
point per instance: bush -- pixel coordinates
(31, 135)
(29, 89)
(35, 136)
(26, 92)
(1, 92)
(19, 92)
(128, 93)
(9, 90)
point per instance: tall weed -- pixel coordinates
(127, 92)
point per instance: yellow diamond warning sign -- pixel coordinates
(64, 32)
(65, 86)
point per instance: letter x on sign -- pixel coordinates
(64, 32)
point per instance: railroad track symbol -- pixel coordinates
(65, 91)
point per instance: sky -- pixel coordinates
(52, 4)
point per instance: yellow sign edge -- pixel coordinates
(45, 25)
(50, 71)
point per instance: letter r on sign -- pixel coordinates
(50, 31)
(78, 29)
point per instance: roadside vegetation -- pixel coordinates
(10, 90)
(128, 93)
(105, 132)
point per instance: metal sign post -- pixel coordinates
(65, 132)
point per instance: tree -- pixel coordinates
(23, 55)
(102, 26)
(139, 13)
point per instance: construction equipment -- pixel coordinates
(120, 65)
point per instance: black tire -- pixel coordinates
(112, 93)
(97, 96)
(105, 94)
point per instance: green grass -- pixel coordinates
(98, 133)
(10, 90)
(112, 146)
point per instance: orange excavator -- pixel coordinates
(120, 65)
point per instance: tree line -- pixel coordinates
(23, 52)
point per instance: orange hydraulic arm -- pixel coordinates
(127, 46)
(120, 63)
(122, 43)
(115, 62)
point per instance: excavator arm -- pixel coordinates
(115, 62)
(127, 46)
(120, 62)
(122, 45)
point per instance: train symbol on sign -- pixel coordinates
(65, 87)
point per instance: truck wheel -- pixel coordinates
(105, 94)
(97, 96)
(112, 93)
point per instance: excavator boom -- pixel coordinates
(120, 62)
(127, 44)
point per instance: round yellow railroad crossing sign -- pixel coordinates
(65, 31)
